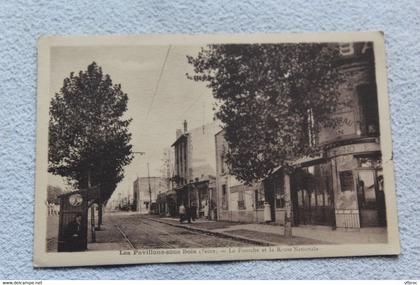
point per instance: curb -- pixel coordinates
(219, 234)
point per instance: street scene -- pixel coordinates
(132, 231)
(211, 146)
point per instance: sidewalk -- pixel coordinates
(108, 238)
(52, 233)
(268, 234)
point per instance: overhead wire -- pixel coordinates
(158, 82)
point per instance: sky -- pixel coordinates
(157, 110)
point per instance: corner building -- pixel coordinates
(343, 186)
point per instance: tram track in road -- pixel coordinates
(174, 236)
(125, 236)
(156, 237)
(141, 232)
(145, 233)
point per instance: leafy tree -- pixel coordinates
(88, 136)
(272, 100)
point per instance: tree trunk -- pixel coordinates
(92, 223)
(288, 205)
(92, 211)
(100, 212)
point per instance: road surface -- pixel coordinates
(142, 233)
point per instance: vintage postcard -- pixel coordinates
(181, 148)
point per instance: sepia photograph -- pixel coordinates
(181, 148)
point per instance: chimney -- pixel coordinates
(178, 133)
(185, 127)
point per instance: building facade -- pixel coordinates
(145, 197)
(195, 170)
(236, 202)
(342, 187)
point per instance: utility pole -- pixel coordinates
(150, 189)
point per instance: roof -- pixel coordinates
(179, 138)
(218, 133)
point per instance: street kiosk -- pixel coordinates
(73, 221)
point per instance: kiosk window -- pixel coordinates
(346, 180)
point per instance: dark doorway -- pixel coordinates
(370, 192)
(312, 196)
(273, 194)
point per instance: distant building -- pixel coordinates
(195, 168)
(144, 200)
(166, 201)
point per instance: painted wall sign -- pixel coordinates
(346, 127)
(354, 148)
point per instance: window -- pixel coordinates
(280, 203)
(222, 163)
(185, 161)
(241, 201)
(225, 204)
(313, 185)
(259, 199)
(368, 104)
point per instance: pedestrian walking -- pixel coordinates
(56, 209)
(182, 213)
(51, 208)
(267, 212)
(206, 210)
(193, 211)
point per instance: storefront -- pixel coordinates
(199, 196)
(343, 190)
(370, 191)
(312, 195)
(167, 204)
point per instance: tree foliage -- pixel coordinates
(272, 99)
(87, 131)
